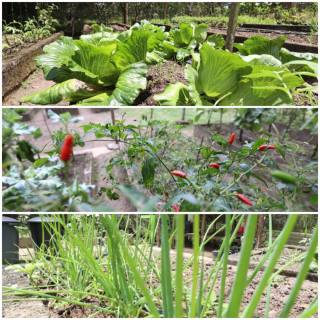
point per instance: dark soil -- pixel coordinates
(280, 290)
(159, 76)
(291, 37)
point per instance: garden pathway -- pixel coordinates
(24, 308)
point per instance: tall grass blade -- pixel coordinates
(195, 267)
(180, 219)
(267, 308)
(239, 283)
(166, 285)
(132, 265)
(281, 241)
(301, 276)
(225, 263)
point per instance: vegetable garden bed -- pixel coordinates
(16, 68)
(90, 269)
(261, 72)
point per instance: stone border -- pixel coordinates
(19, 67)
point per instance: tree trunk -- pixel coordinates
(125, 13)
(165, 10)
(259, 232)
(232, 24)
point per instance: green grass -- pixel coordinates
(175, 114)
(216, 20)
(111, 258)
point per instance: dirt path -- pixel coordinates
(24, 308)
(34, 83)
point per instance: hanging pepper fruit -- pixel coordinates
(284, 176)
(244, 199)
(240, 231)
(232, 137)
(175, 207)
(179, 173)
(66, 149)
(214, 165)
(264, 147)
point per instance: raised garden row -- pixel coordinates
(16, 69)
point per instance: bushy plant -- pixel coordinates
(106, 265)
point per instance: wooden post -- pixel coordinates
(259, 232)
(232, 24)
(125, 13)
(183, 114)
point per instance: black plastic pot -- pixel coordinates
(10, 240)
(42, 235)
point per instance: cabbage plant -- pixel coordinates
(187, 38)
(104, 68)
(261, 73)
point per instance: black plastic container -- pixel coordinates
(10, 240)
(43, 234)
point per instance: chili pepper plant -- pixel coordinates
(167, 169)
(108, 266)
(219, 174)
(32, 182)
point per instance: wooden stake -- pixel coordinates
(232, 24)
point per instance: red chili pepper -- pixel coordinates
(214, 165)
(232, 137)
(264, 147)
(179, 174)
(66, 149)
(244, 199)
(241, 230)
(175, 207)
